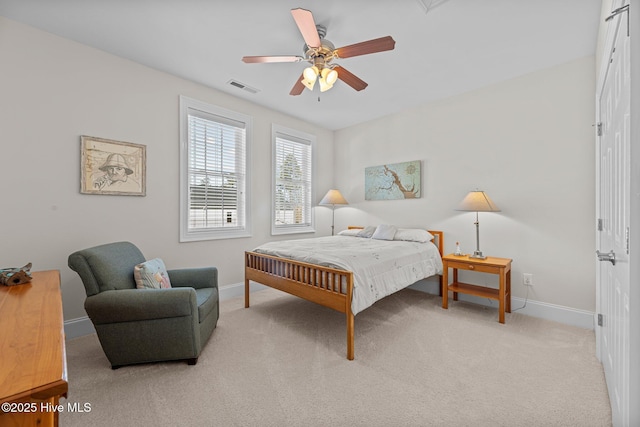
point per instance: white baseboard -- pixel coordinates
(558, 313)
(570, 316)
(75, 328)
(543, 310)
(237, 290)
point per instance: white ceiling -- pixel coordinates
(443, 47)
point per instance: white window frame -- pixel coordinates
(296, 137)
(189, 106)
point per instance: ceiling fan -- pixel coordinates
(320, 53)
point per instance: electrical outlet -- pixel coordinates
(527, 279)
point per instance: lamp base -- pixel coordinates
(477, 255)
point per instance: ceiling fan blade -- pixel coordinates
(351, 79)
(307, 26)
(263, 59)
(298, 87)
(364, 48)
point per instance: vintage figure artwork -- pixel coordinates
(112, 167)
(393, 181)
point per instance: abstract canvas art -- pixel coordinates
(393, 181)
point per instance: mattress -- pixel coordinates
(380, 267)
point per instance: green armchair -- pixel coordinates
(146, 325)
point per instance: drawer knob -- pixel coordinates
(471, 267)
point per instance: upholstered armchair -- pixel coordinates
(146, 325)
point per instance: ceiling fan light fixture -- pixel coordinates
(324, 86)
(319, 52)
(310, 75)
(330, 75)
(327, 78)
(308, 84)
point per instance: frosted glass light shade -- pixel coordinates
(330, 76)
(327, 78)
(310, 75)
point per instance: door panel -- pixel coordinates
(613, 210)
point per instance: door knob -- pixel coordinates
(610, 256)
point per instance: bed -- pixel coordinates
(329, 271)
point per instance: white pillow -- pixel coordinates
(350, 232)
(384, 232)
(413, 235)
(367, 232)
(151, 274)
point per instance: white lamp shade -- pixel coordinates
(333, 197)
(477, 201)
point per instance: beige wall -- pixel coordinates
(528, 142)
(52, 91)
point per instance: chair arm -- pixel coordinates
(131, 305)
(201, 277)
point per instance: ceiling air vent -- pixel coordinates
(242, 86)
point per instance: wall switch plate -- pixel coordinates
(527, 279)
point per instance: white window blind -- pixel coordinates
(293, 185)
(215, 205)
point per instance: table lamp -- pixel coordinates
(333, 198)
(477, 201)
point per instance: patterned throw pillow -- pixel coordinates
(151, 274)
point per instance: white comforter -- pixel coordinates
(380, 267)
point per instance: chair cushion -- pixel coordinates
(151, 274)
(134, 305)
(207, 300)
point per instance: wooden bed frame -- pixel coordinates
(326, 286)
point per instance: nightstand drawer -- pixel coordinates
(461, 265)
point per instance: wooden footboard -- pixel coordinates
(326, 286)
(323, 285)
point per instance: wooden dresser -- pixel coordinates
(33, 367)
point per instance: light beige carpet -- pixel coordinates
(282, 363)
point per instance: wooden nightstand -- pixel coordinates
(491, 265)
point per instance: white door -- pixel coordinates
(613, 196)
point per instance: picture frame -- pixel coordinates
(393, 181)
(109, 167)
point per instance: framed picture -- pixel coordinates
(112, 167)
(393, 181)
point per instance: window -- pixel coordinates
(292, 190)
(214, 153)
